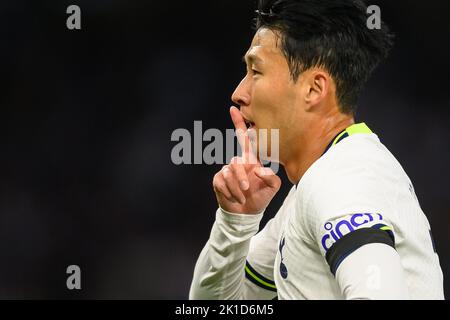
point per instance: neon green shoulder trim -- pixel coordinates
(353, 129)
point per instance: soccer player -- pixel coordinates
(351, 226)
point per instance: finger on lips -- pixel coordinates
(242, 136)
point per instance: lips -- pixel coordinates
(249, 123)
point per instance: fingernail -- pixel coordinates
(242, 201)
(265, 171)
(244, 185)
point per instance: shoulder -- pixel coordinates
(359, 164)
(358, 175)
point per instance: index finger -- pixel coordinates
(242, 136)
(238, 120)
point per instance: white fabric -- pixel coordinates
(357, 184)
(374, 271)
(220, 268)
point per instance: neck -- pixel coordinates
(311, 145)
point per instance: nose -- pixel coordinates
(241, 94)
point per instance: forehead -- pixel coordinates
(265, 45)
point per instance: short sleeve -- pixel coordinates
(348, 208)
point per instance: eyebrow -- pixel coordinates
(252, 58)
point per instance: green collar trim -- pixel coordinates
(353, 129)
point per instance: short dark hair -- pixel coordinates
(332, 34)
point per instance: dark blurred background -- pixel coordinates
(86, 118)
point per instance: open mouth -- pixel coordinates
(249, 124)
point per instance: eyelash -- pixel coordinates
(255, 71)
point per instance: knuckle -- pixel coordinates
(220, 188)
(216, 178)
(227, 174)
(240, 170)
(216, 185)
(231, 185)
(236, 160)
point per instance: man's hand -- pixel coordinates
(244, 185)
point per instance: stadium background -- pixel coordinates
(86, 118)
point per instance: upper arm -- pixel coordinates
(354, 222)
(373, 271)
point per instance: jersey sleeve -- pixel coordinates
(351, 215)
(219, 271)
(237, 262)
(373, 271)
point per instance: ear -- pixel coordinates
(318, 86)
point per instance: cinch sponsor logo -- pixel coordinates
(346, 226)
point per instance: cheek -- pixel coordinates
(275, 105)
(267, 101)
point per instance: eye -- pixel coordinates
(255, 71)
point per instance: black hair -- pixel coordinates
(332, 34)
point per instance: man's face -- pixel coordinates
(267, 95)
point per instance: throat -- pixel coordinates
(315, 145)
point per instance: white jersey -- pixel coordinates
(349, 211)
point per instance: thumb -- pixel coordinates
(268, 177)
